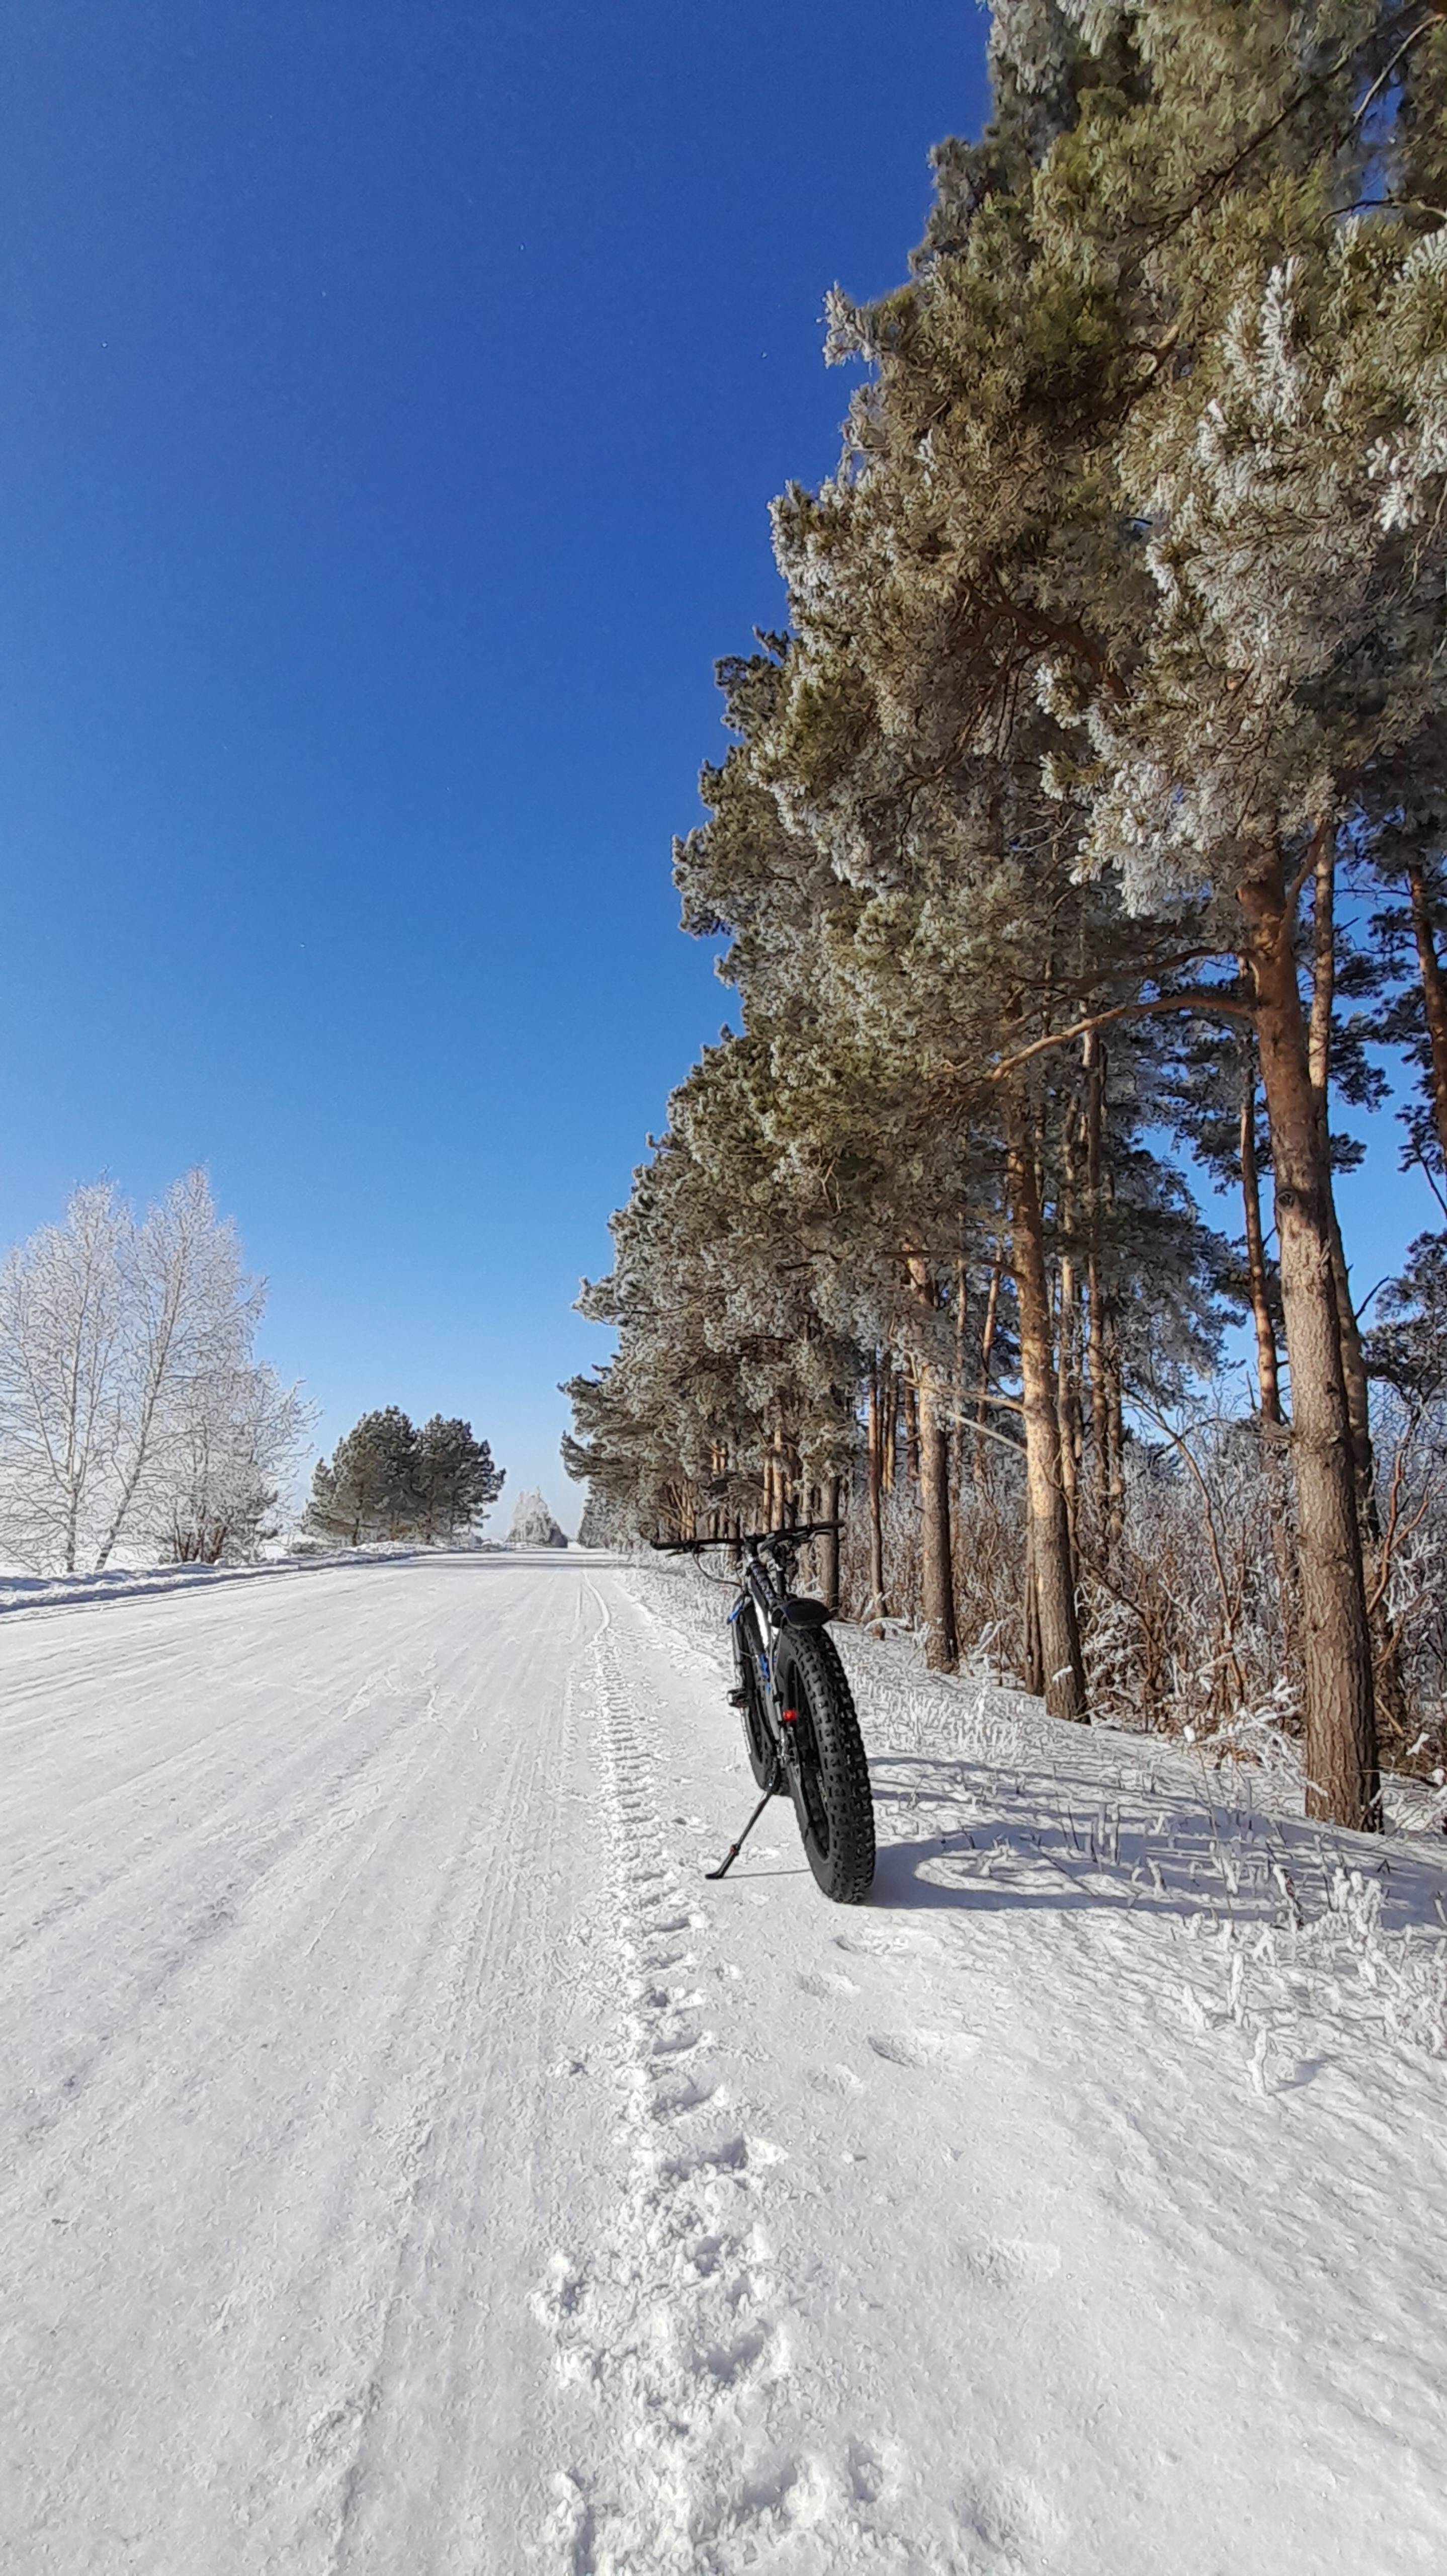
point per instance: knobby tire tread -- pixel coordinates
(845, 1871)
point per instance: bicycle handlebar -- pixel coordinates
(796, 1537)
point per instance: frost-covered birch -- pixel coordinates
(130, 1399)
(62, 1366)
(192, 1314)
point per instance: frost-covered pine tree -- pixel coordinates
(455, 1479)
(533, 1524)
(367, 1489)
(602, 1524)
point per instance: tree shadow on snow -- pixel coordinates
(1074, 1836)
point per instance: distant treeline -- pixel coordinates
(388, 1480)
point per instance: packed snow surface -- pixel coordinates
(412, 2165)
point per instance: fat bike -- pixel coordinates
(800, 1728)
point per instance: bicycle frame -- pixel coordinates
(764, 1588)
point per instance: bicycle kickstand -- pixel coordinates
(734, 1849)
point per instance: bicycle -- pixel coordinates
(801, 1732)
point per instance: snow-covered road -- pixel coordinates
(411, 2165)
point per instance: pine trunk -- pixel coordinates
(1093, 1062)
(874, 1464)
(942, 1650)
(1390, 1704)
(1054, 1583)
(932, 1450)
(1434, 998)
(987, 1352)
(1115, 1429)
(1341, 1752)
(781, 1486)
(1354, 1378)
(1268, 1373)
(1034, 1674)
(1318, 1056)
(829, 1545)
(1067, 1405)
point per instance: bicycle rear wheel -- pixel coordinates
(830, 1779)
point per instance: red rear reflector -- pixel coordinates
(790, 1715)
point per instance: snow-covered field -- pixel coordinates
(411, 2165)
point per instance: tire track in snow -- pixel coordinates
(675, 2325)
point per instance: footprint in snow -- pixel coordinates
(706, 2253)
(733, 2154)
(680, 2043)
(660, 1999)
(758, 2347)
(662, 1965)
(821, 1983)
(562, 2294)
(1013, 2519)
(922, 2047)
(834, 2079)
(792, 2494)
(872, 2473)
(334, 2430)
(1010, 2262)
(674, 2098)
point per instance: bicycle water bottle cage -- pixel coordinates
(799, 1613)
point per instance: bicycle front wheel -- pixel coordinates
(763, 1762)
(830, 1778)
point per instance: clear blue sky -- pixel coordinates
(393, 398)
(392, 403)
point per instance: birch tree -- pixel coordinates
(229, 1459)
(130, 1400)
(191, 1316)
(63, 1366)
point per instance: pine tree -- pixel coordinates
(533, 1524)
(367, 1489)
(603, 1523)
(454, 1479)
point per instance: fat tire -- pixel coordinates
(758, 1742)
(833, 1772)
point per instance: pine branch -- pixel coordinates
(1206, 999)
